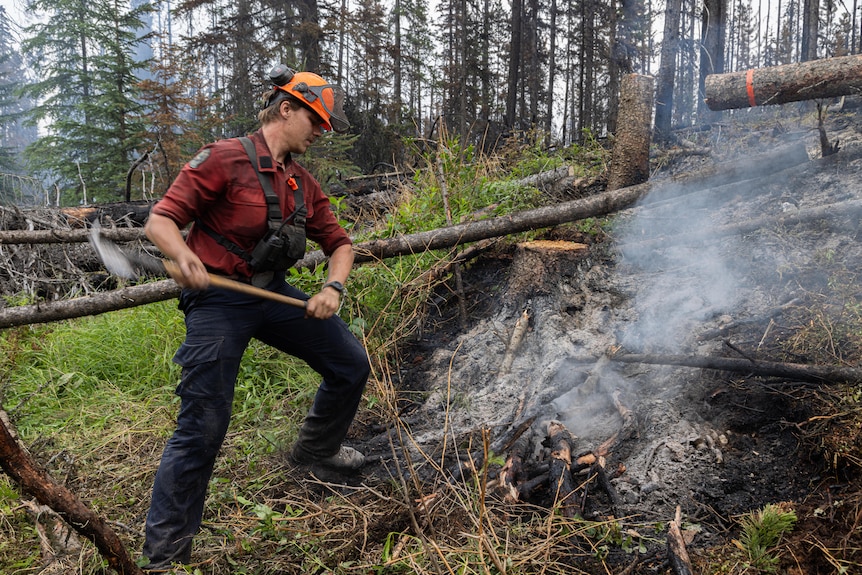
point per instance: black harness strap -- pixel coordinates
(273, 207)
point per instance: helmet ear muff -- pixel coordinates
(280, 75)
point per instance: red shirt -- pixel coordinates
(220, 187)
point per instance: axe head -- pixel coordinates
(116, 260)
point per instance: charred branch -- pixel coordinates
(560, 479)
(677, 553)
(790, 371)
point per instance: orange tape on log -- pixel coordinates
(749, 84)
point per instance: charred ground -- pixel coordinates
(716, 444)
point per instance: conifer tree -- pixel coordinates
(86, 95)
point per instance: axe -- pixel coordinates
(126, 265)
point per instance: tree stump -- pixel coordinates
(630, 158)
(538, 264)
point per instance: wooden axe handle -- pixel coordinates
(233, 285)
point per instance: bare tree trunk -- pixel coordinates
(713, 30)
(630, 158)
(309, 34)
(514, 63)
(667, 70)
(810, 29)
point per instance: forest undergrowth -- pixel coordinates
(92, 399)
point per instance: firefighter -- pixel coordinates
(251, 208)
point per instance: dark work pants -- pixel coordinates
(219, 326)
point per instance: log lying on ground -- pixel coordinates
(89, 305)
(827, 78)
(60, 236)
(34, 480)
(792, 371)
(443, 238)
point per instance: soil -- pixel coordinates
(714, 444)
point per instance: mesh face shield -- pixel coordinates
(327, 100)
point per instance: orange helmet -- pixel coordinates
(325, 100)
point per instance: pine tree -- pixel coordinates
(86, 95)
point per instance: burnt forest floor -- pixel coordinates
(463, 421)
(669, 277)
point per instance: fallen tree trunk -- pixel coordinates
(61, 236)
(793, 371)
(35, 481)
(90, 305)
(826, 78)
(548, 179)
(442, 238)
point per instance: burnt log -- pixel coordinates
(627, 431)
(790, 371)
(512, 474)
(35, 481)
(600, 475)
(826, 78)
(677, 553)
(560, 472)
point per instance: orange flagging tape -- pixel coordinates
(749, 84)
